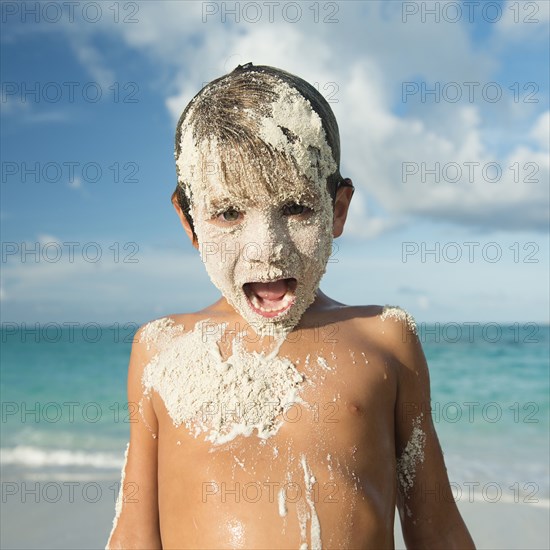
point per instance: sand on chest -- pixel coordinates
(222, 398)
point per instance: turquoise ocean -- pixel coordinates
(64, 410)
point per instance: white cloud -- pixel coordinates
(524, 20)
(76, 183)
(11, 102)
(423, 302)
(397, 161)
(541, 131)
(368, 56)
(92, 60)
(45, 239)
(162, 29)
(363, 224)
(51, 290)
(13, 106)
(432, 288)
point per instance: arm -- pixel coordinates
(138, 523)
(428, 512)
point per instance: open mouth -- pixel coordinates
(273, 298)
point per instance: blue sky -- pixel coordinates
(90, 99)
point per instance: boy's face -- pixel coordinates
(266, 248)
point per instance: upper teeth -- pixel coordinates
(285, 302)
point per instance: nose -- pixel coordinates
(266, 237)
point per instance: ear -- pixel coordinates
(341, 205)
(184, 222)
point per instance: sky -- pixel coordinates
(444, 123)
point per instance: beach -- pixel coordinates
(65, 425)
(86, 524)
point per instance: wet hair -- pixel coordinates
(217, 111)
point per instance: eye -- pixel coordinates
(294, 209)
(230, 215)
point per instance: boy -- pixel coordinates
(277, 417)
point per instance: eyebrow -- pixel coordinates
(219, 203)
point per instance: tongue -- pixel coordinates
(270, 291)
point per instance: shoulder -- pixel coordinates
(156, 335)
(401, 318)
(151, 341)
(398, 329)
(387, 320)
(393, 332)
(400, 336)
(392, 329)
(152, 334)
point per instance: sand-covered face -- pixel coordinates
(259, 202)
(265, 252)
